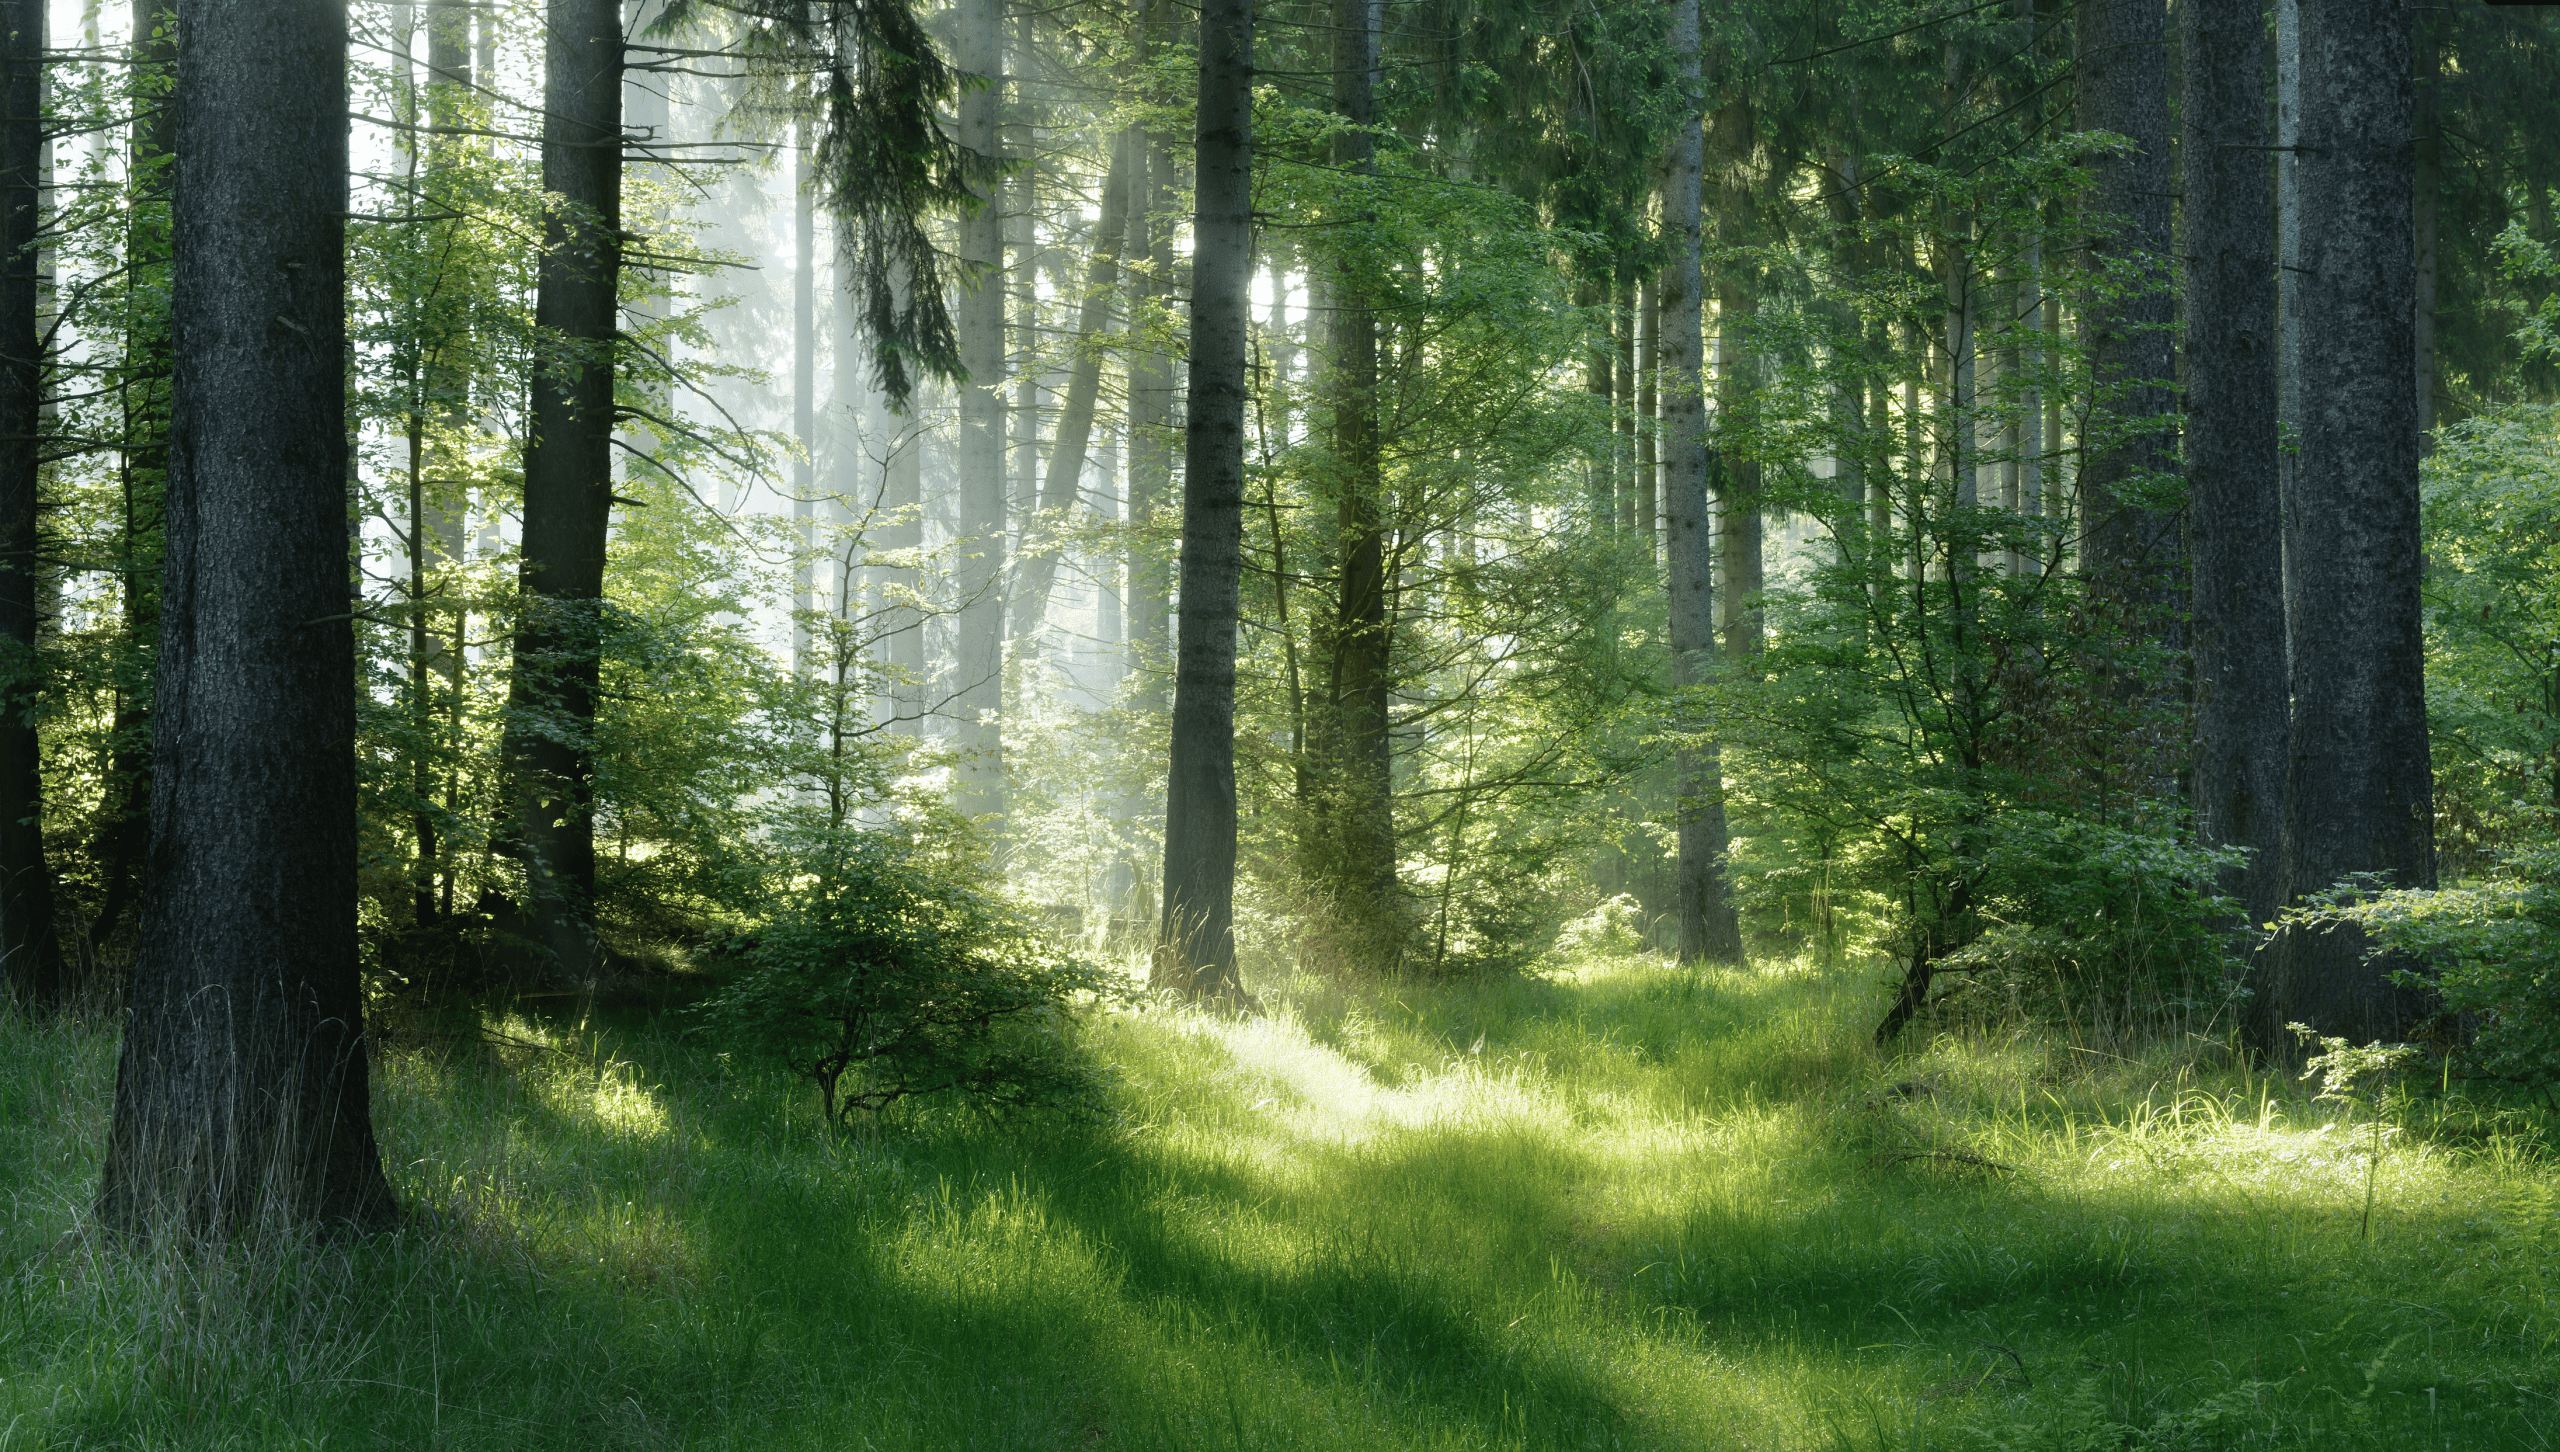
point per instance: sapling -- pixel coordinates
(2344, 1070)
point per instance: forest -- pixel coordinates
(1509, 724)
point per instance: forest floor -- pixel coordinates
(1621, 1205)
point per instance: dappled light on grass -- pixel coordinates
(1621, 1205)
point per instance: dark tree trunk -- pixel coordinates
(2130, 541)
(2358, 790)
(1038, 571)
(978, 687)
(1353, 782)
(1648, 435)
(28, 947)
(242, 1094)
(1708, 927)
(568, 480)
(1196, 953)
(2234, 524)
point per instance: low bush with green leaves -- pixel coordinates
(2490, 949)
(887, 970)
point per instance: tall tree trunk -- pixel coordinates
(978, 686)
(1038, 571)
(1708, 927)
(1623, 407)
(2233, 514)
(2130, 543)
(568, 480)
(2358, 789)
(1196, 952)
(804, 397)
(1151, 225)
(242, 1094)
(1353, 780)
(901, 622)
(2428, 191)
(29, 950)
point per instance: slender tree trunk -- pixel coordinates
(242, 1095)
(1038, 570)
(1708, 927)
(902, 535)
(126, 837)
(1622, 408)
(1648, 404)
(804, 398)
(2358, 788)
(1150, 423)
(1354, 777)
(1736, 483)
(568, 479)
(2130, 545)
(2233, 514)
(1196, 955)
(28, 948)
(978, 689)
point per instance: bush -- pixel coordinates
(2491, 949)
(886, 970)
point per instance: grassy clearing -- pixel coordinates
(1625, 1206)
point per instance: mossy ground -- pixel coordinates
(1623, 1205)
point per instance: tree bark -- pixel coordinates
(1196, 953)
(978, 685)
(1708, 927)
(2234, 522)
(1648, 403)
(1038, 571)
(2130, 543)
(28, 947)
(1353, 779)
(568, 480)
(242, 1092)
(2358, 788)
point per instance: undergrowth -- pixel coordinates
(1619, 1205)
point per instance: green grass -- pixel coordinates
(1625, 1206)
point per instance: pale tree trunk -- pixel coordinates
(568, 480)
(1736, 482)
(978, 649)
(2358, 789)
(242, 1095)
(804, 398)
(1145, 649)
(902, 534)
(1708, 927)
(1038, 570)
(2233, 518)
(29, 949)
(1196, 952)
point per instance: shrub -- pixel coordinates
(2491, 949)
(886, 970)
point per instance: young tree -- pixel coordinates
(242, 1096)
(2358, 788)
(30, 953)
(1196, 945)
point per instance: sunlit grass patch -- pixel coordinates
(1619, 1204)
